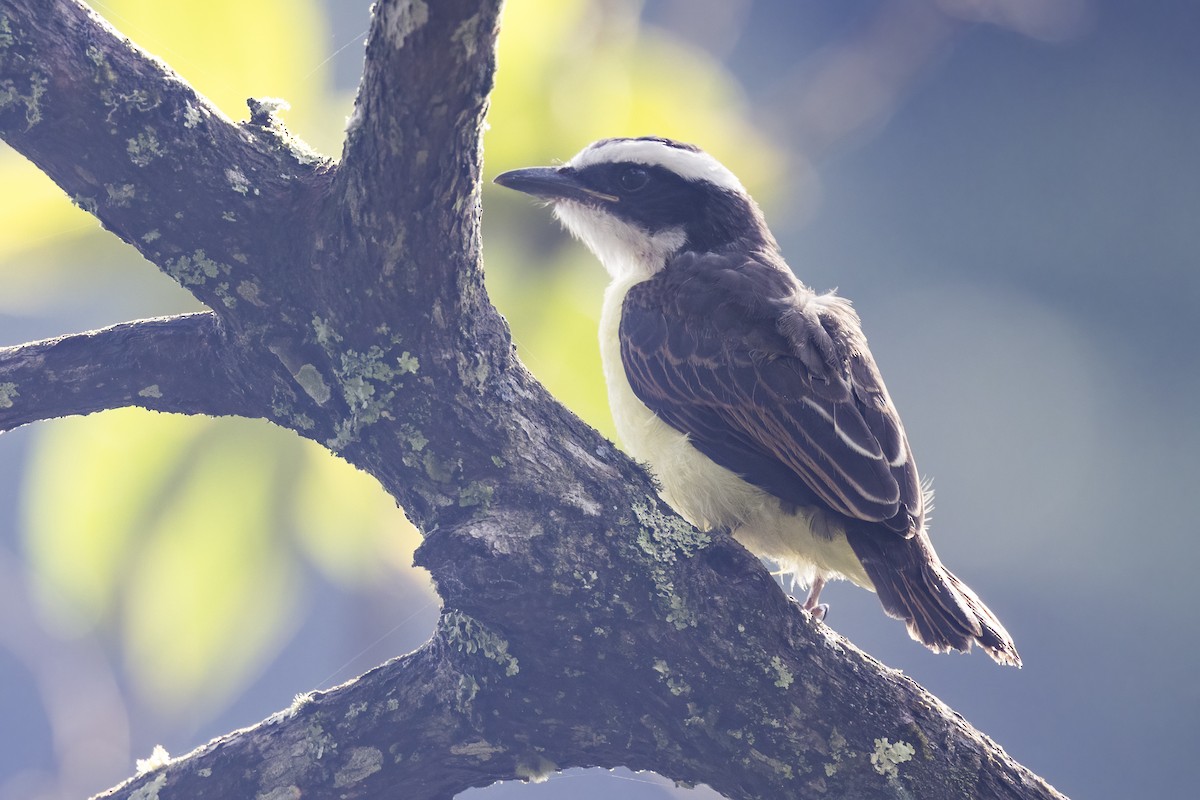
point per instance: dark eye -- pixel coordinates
(633, 179)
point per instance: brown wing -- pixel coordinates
(772, 382)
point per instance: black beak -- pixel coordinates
(552, 183)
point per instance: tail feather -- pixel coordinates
(940, 610)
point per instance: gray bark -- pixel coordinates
(583, 623)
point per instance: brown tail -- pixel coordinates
(941, 611)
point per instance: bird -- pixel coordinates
(753, 399)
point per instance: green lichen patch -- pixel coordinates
(677, 685)
(369, 380)
(408, 364)
(314, 385)
(150, 391)
(376, 365)
(480, 749)
(250, 291)
(6, 34)
(412, 437)
(343, 434)
(666, 540)
(119, 195)
(144, 148)
(222, 293)
(782, 769)
(438, 469)
(839, 750)
(784, 676)
(324, 332)
(8, 395)
(475, 494)
(318, 743)
(196, 269)
(363, 763)
(465, 692)
(11, 95)
(288, 792)
(104, 72)
(191, 115)
(888, 756)
(137, 100)
(471, 636)
(238, 181)
(150, 790)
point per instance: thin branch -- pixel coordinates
(422, 98)
(359, 740)
(178, 364)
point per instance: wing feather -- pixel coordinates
(772, 382)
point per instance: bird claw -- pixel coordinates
(815, 609)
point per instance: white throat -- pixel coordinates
(624, 249)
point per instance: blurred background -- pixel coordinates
(1007, 189)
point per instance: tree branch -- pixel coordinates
(133, 364)
(783, 707)
(584, 624)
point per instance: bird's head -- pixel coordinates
(637, 202)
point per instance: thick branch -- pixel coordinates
(413, 146)
(590, 667)
(179, 364)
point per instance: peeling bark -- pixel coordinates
(584, 624)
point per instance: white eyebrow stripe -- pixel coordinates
(688, 164)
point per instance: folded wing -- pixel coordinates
(772, 382)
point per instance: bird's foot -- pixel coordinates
(814, 608)
(818, 611)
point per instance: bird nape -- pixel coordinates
(753, 399)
